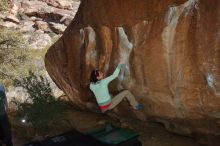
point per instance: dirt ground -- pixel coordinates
(151, 134)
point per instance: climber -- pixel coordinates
(5, 130)
(99, 86)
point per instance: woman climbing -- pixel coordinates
(99, 86)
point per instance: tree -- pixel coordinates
(42, 110)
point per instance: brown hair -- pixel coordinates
(94, 75)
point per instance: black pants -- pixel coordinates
(5, 131)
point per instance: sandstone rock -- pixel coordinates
(42, 10)
(57, 28)
(62, 4)
(27, 26)
(12, 18)
(66, 20)
(42, 25)
(35, 18)
(39, 31)
(23, 17)
(14, 9)
(35, 8)
(171, 52)
(38, 40)
(9, 25)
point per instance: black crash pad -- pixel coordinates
(114, 136)
(72, 138)
(110, 136)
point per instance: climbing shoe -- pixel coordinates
(139, 106)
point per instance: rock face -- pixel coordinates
(63, 4)
(171, 49)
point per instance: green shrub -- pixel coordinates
(3, 5)
(41, 110)
(12, 46)
(14, 60)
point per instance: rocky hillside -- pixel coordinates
(171, 49)
(39, 20)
